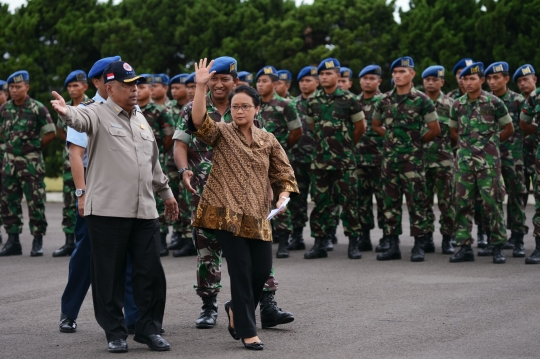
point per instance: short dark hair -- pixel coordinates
(505, 74)
(248, 90)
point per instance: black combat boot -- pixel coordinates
(498, 256)
(164, 251)
(67, 248)
(177, 241)
(1, 240)
(333, 236)
(384, 244)
(465, 254)
(282, 251)
(187, 250)
(453, 241)
(329, 244)
(511, 241)
(318, 250)
(393, 251)
(208, 317)
(275, 239)
(271, 314)
(37, 247)
(481, 237)
(418, 252)
(486, 252)
(12, 247)
(535, 256)
(365, 242)
(447, 247)
(429, 245)
(297, 240)
(353, 252)
(519, 251)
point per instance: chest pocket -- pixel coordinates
(118, 139)
(148, 143)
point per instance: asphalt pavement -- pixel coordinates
(343, 308)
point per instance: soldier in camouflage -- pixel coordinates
(76, 83)
(160, 87)
(512, 165)
(283, 84)
(400, 117)
(279, 118)
(4, 96)
(244, 78)
(337, 120)
(345, 80)
(192, 153)
(439, 163)
(458, 67)
(475, 123)
(27, 128)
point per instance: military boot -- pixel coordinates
(282, 251)
(498, 256)
(271, 314)
(12, 247)
(384, 244)
(453, 241)
(393, 251)
(511, 241)
(1, 240)
(187, 250)
(37, 247)
(318, 250)
(465, 254)
(297, 240)
(418, 252)
(329, 244)
(486, 252)
(481, 237)
(209, 312)
(365, 242)
(353, 252)
(164, 250)
(447, 247)
(67, 248)
(429, 245)
(535, 256)
(177, 241)
(333, 237)
(519, 251)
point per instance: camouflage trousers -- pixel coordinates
(369, 184)
(536, 187)
(68, 195)
(398, 179)
(209, 259)
(329, 187)
(282, 222)
(440, 181)
(486, 184)
(514, 182)
(183, 223)
(530, 144)
(299, 204)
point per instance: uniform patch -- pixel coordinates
(487, 111)
(89, 102)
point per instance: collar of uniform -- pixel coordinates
(118, 110)
(371, 99)
(211, 107)
(323, 94)
(464, 99)
(411, 93)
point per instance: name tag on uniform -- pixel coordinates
(487, 111)
(115, 125)
(412, 108)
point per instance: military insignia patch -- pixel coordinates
(89, 102)
(346, 74)
(475, 69)
(142, 126)
(526, 70)
(80, 77)
(405, 63)
(127, 67)
(283, 76)
(498, 68)
(468, 62)
(18, 78)
(441, 73)
(249, 77)
(232, 67)
(314, 71)
(329, 64)
(378, 71)
(268, 70)
(158, 79)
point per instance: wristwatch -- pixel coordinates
(181, 171)
(79, 192)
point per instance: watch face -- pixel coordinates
(78, 192)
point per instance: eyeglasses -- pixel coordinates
(243, 107)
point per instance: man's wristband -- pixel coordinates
(283, 197)
(181, 171)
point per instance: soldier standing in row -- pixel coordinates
(245, 78)
(4, 96)
(460, 91)
(283, 84)
(160, 87)
(345, 80)
(27, 128)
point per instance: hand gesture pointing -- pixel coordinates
(202, 72)
(59, 104)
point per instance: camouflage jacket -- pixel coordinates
(369, 148)
(61, 124)
(530, 112)
(333, 116)
(455, 94)
(405, 123)
(439, 151)
(304, 149)
(512, 148)
(479, 124)
(161, 121)
(279, 118)
(175, 111)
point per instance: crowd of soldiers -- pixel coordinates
(469, 147)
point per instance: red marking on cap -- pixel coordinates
(127, 67)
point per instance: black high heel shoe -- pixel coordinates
(253, 346)
(232, 332)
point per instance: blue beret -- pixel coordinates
(190, 79)
(435, 71)
(345, 72)
(100, 65)
(225, 65)
(245, 76)
(328, 64)
(463, 63)
(284, 75)
(370, 69)
(146, 79)
(3, 85)
(472, 69)
(405, 61)
(77, 75)
(523, 71)
(307, 71)
(179, 79)
(496, 67)
(268, 70)
(161, 79)
(19, 76)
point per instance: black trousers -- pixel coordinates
(112, 238)
(249, 262)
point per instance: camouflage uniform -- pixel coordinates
(334, 166)
(440, 172)
(200, 162)
(404, 117)
(478, 164)
(530, 144)
(455, 94)
(24, 168)
(279, 118)
(68, 185)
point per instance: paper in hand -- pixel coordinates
(274, 212)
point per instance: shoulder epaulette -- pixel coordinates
(89, 102)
